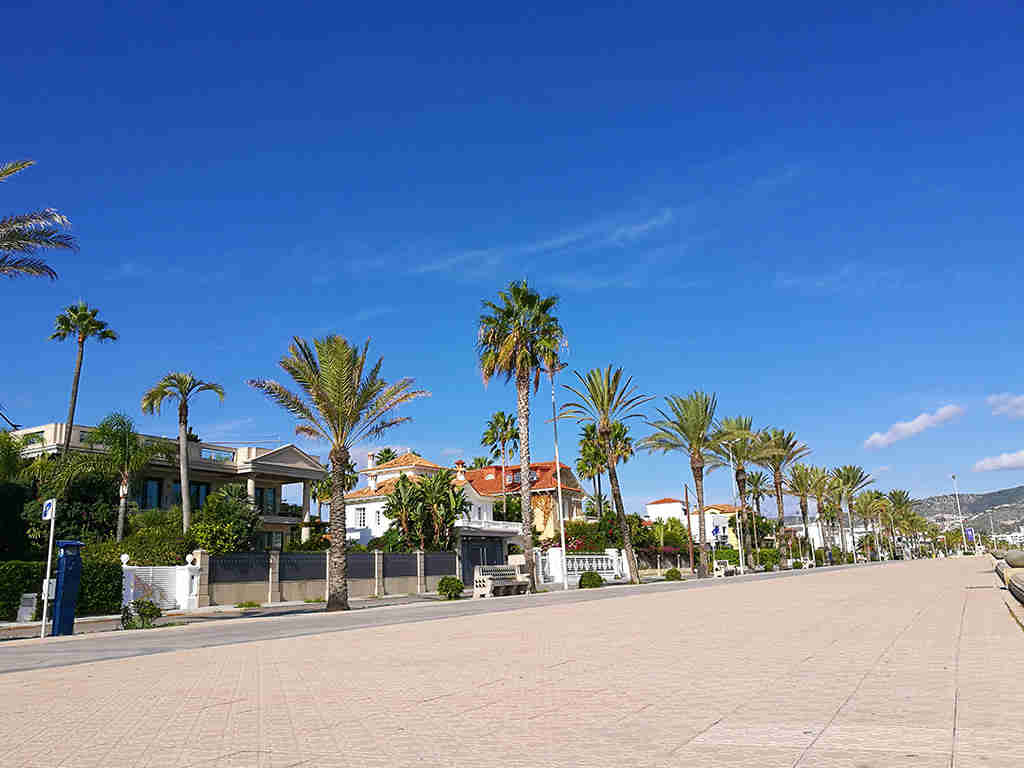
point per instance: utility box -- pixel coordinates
(69, 579)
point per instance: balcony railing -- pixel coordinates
(494, 525)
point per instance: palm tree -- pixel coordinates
(781, 450)
(738, 445)
(404, 504)
(851, 480)
(479, 462)
(689, 429)
(24, 235)
(124, 457)
(10, 456)
(903, 514)
(604, 400)
(180, 387)
(821, 489)
(592, 462)
(883, 519)
(501, 438)
(343, 403)
(516, 337)
(757, 487)
(801, 483)
(81, 322)
(384, 455)
(598, 505)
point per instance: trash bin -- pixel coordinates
(69, 579)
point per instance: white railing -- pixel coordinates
(169, 586)
(605, 565)
(549, 565)
(494, 525)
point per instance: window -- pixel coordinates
(215, 454)
(265, 500)
(32, 438)
(83, 436)
(149, 494)
(360, 517)
(198, 493)
(378, 518)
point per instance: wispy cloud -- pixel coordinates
(233, 429)
(853, 278)
(610, 232)
(881, 469)
(1006, 404)
(1002, 461)
(452, 452)
(901, 430)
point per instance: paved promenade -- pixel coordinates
(907, 664)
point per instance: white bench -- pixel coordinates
(720, 568)
(494, 580)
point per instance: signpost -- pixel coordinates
(49, 513)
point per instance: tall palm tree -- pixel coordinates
(757, 487)
(24, 235)
(781, 450)
(517, 335)
(81, 322)
(341, 402)
(592, 462)
(800, 483)
(501, 437)
(479, 462)
(884, 522)
(903, 514)
(851, 480)
(689, 427)
(738, 445)
(124, 458)
(603, 399)
(180, 387)
(384, 455)
(821, 489)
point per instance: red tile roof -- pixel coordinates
(546, 480)
(666, 500)
(405, 460)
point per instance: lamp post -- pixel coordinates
(960, 515)
(735, 496)
(554, 368)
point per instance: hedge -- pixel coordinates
(99, 595)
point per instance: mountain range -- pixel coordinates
(1007, 507)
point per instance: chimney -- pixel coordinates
(370, 460)
(460, 470)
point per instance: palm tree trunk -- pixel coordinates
(842, 532)
(807, 528)
(337, 576)
(757, 544)
(504, 493)
(849, 521)
(69, 427)
(697, 468)
(186, 491)
(778, 500)
(741, 487)
(627, 544)
(523, 409)
(122, 509)
(600, 503)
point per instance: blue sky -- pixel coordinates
(812, 211)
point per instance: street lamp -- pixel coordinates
(735, 496)
(960, 514)
(554, 368)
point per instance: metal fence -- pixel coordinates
(360, 565)
(240, 566)
(438, 563)
(398, 564)
(300, 566)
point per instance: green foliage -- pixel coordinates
(14, 544)
(391, 541)
(581, 536)
(140, 614)
(591, 580)
(101, 589)
(768, 557)
(423, 513)
(86, 512)
(18, 578)
(450, 587)
(798, 564)
(245, 604)
(316, 543)
(673, 574)
(726, 553)
(155, 538)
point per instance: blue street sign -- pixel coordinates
(49, 509)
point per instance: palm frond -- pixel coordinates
(13, 266)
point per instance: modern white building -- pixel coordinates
(716, 519)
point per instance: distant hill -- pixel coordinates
(1007, 508)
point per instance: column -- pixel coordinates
(421, 572)
(250, 488)
(306, 487)
(274, 582)
(203, 590)
(378, 573)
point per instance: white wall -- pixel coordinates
(377, 523)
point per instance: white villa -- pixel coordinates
(481, 539)
(264, 472)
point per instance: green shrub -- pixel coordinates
(673, 574)
(591, 580)
(768, 557)
(316, 543)
(220, 537)
(798, 564)
(140, 614)
(102, 588)
(726, 553)
(18, 577)
(450, 587)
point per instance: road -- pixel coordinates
(906, 664)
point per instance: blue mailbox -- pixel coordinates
(69, 579)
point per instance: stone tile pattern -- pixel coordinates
(858, 667)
